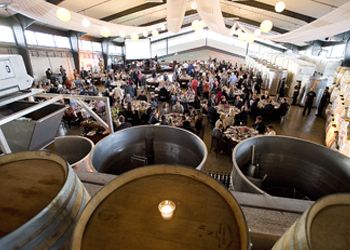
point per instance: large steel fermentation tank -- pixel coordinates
(76, 150)
(289, 167)
(148, 145)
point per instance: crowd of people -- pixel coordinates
(226, 93)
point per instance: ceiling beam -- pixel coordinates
(131, 11)
(187, 13)
(252, 22)
(55, 2)
(225, 14)
(267, 7)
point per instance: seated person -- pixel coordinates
(122, 124)
(268, 112)
(283, 109)
(178, 108)
(259, 125)
(153, 118)
(142, 96)
(241, 119)
(186, 124)
(270, 130)
(163, 94)
(163, 120)
(164, 110)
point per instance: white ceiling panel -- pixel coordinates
(313, 8)
(101, 8)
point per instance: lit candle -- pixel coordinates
(166, 209)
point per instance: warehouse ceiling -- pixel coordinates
(147, 12)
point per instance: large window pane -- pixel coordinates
(45, 39)
(30, 37)
(6, 34)
(62, 42)
(96, 47)
(338, 50)
(115, 50)
(85, 45)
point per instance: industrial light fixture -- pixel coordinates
(163, 27)
(242, 36)
(195, 24)
(257, 32)
(155, 33)
(86, 23)
(266, 26)
(167, 209)
(193, 5)
(250, 38)
(63, 14)
(145, 34)
(105, 32)
(134, 36)
(280, 6)
(122, 34)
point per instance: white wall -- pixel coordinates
(5, 50)
(203, 54)
(41, 60)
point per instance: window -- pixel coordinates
(45, 39)
(115, 50)
(338, 50)
(30, 37)
(62, 42)
(85, 45)
(96, 47)
(6, 34)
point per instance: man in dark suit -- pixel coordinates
(324, 102)
(310, 96)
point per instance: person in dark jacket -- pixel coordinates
(259, 125)
(323, 102)
(123, 123)
(310, 96)
(296, 93)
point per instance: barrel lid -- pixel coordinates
(29, 181)
(328, 223)
(125, 214)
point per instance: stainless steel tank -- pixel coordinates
(148, 145)
(76, 150)
(289, 167)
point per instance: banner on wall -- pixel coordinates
(90, 61)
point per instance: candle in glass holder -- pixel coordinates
(166, 209)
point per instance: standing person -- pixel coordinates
(48, 73)
(310, 96)
(296, 93)
(324, 102)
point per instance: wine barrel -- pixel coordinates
(325, 225)
(125, 214)
(76, 150)
(41, 198)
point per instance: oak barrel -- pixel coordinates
(125, 214)
(41, 198)
(324, 226)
